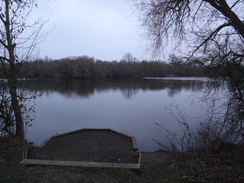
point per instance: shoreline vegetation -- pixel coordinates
(85, 67)
(225, 165)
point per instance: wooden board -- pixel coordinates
(82, 164)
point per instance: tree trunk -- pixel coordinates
(12, 76)
(12, 81)
(225, 9)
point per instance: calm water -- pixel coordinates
(131, 106)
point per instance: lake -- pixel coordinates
(131, 106)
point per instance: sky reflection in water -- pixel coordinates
(130, 106)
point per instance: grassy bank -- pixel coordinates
(159, 166)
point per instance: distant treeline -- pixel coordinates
(87, 67)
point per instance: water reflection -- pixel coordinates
(128, 87)
(131, 106)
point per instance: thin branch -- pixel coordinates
(211, 36)
(2, 42)
(4, 58)
(234, 4)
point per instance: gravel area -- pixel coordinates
(88, 146)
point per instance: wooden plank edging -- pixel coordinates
(46, 141)
(25, 154)
(82, 164)
(135, 147)
(27, 161)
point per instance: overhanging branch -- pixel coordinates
(211, 36)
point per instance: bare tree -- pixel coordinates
(16, 46)
(212, 30)
(190, 21)
(128, 57)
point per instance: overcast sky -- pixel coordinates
(104, 29)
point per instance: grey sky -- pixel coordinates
(104, 29)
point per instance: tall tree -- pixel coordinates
(15, 48)
(212, 30)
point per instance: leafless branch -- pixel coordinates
(211, 37)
